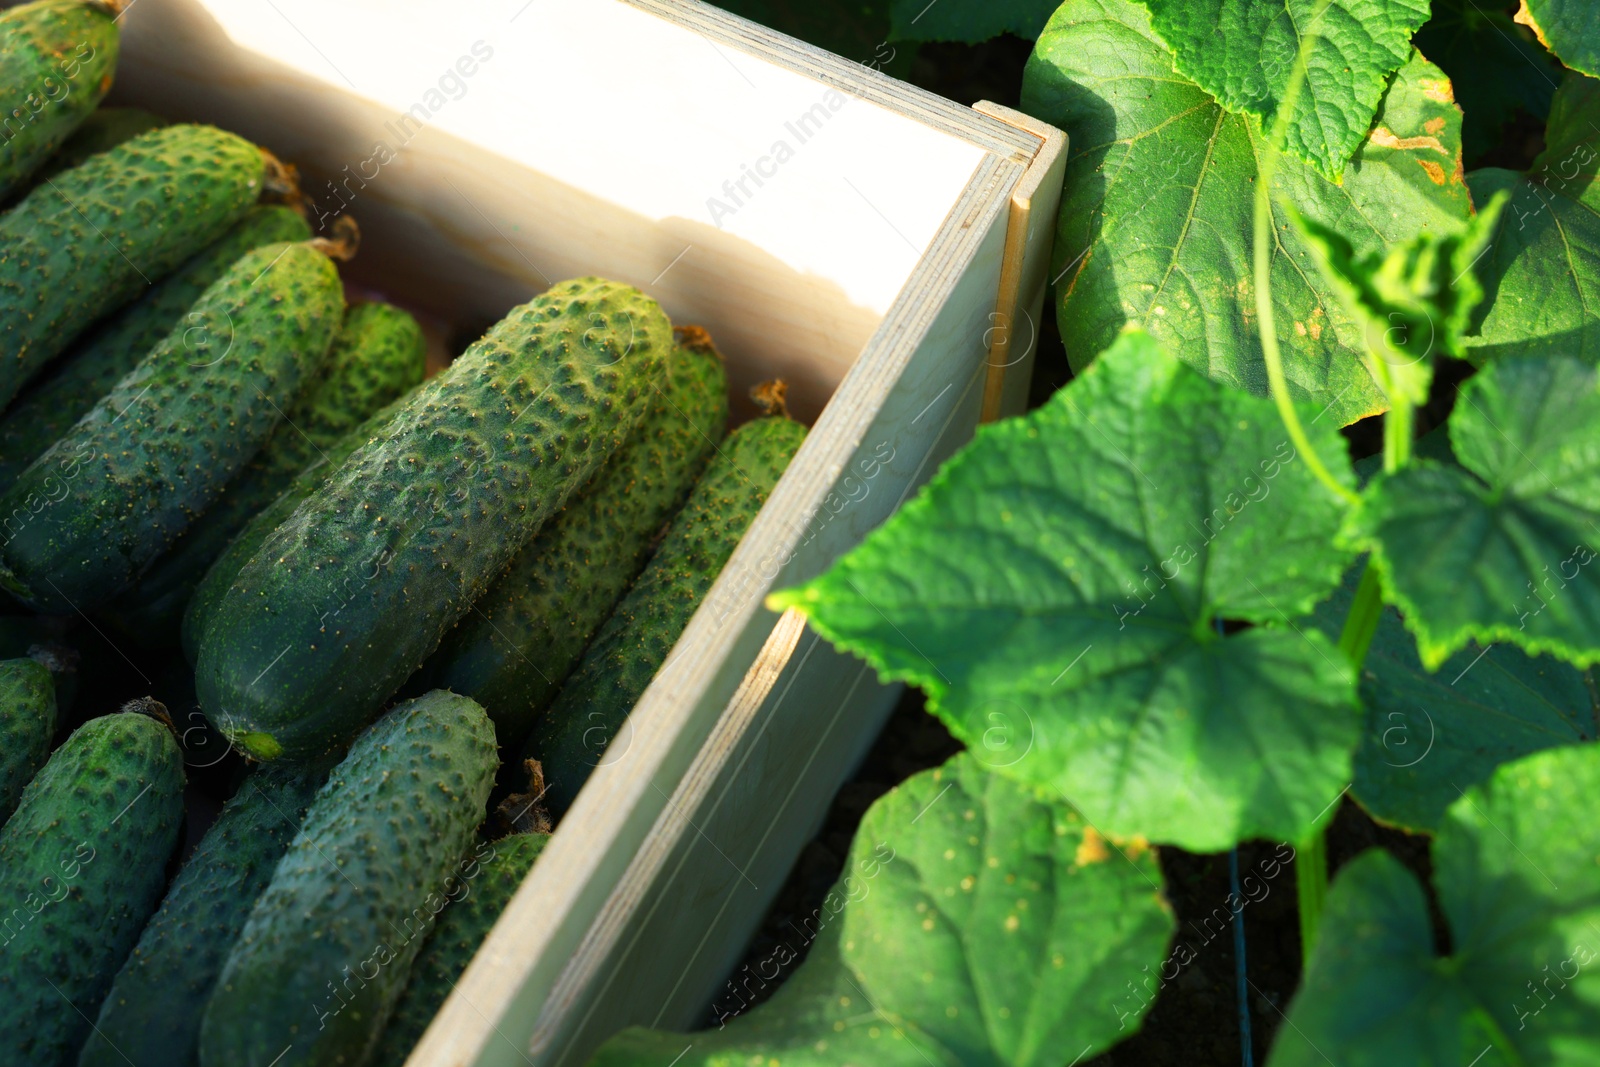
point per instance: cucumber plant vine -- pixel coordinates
(1165, 608)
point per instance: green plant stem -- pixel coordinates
(1311, 856)
(1398, 427)
(1262, 263)
(1311, 888)
(1362, 622)
(1360, 626)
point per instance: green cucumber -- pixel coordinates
(327, 946)
(100, 132)
(151, 1016)
(82, 865)
(27, 726)
(376, 357)
(355, 589)
(55, 66)
(524, 636)
(636, 639)
(497, 869)
(214, 585)
(88, 240)
(103, 502)
(47, 409)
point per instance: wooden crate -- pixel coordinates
(882, 249)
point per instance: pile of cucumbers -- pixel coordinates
(284, 619)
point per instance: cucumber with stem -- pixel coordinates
(524, 636)
(47, 409)
(355, 589)
(81, 523)
(108, 228)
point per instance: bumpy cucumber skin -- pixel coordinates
(214, 585)
(524, 636)
(79, 525)
(498, 868)
(27, 724)
(151, 1016)
(377, 355)
(327, 946)
(47, 409)
(90, 239)
(82, 865)
(636, 639)
(55, 67)
(102, 131)
(348, 596)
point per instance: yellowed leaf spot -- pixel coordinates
(1525, 17)
(1136, 846)
(1438, 89)
(1435, 171)
(1092, 849)
(1384, 137)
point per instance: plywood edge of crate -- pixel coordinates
(492, 1010)
(572, 990)
(1034, 204)
(716, 25)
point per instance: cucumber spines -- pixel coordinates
(81, 523)
(636, 639)
(346, 597)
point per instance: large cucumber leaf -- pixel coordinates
(1515, 873)
(983, 925)
(1241, 52)
(1502, 547)
(1055, 589)
(1429, 735)
(963, 20)
(1542, 270)
(1156, 214)
(1566, 27)
(1495, 65)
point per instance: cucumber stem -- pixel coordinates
(342, 242)
(1398, 426)
(771, 397)
(280, 181)
(1311, 856)
(1311, 890)
(1266, 324)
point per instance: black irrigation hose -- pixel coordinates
(1240, 981)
